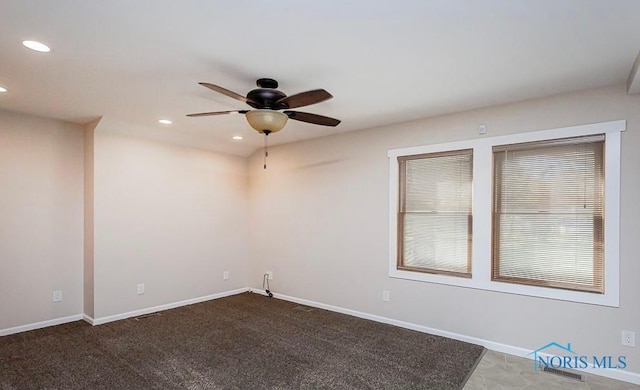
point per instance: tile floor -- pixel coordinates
(497, 371)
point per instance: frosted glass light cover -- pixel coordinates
(268, 120)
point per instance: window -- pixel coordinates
(434, 218)
(548, 201)
(546, 213)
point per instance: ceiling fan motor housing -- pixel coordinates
(265, 98)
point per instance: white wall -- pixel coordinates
(41, 219)
(319, 221)
(171, 217)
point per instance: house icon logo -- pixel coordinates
(557, 356)
(541, 356)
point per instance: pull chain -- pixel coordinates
(266, 148)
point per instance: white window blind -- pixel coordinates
(434, 219)
(548, 213)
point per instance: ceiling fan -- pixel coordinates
(267, 101)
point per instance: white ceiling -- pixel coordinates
(134, 62)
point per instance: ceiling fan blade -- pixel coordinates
(312, 118)
(226, 92)
(304, 99)
(218, 113)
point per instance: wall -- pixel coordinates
(93, 214)
(171, 217)
(41, 219)
(319, 221)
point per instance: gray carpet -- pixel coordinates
(246, 341)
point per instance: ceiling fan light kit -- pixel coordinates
(266, 121)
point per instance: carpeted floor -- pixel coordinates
(246, 341)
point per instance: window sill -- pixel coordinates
(509, 288)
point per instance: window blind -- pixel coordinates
(548, 213)
(434, 219)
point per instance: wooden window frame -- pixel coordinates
(598, 241)
(402, 160)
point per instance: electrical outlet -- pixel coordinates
(269, 275)
(140, 289)
(386, 296)
(225, 275)
(628, 338)
(482, 129)
(57, 295)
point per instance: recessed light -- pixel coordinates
(2, 89)
(165, 122)
(37, 46)
(238, 137)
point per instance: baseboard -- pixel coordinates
(40, 325)
(620, 375)
(104, 320)
(88, 319)
(625, 376)
(136, 313)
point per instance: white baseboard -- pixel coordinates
(40, 325)
(136, 313)
(88, 319)
(620, 375)
(104, 320)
